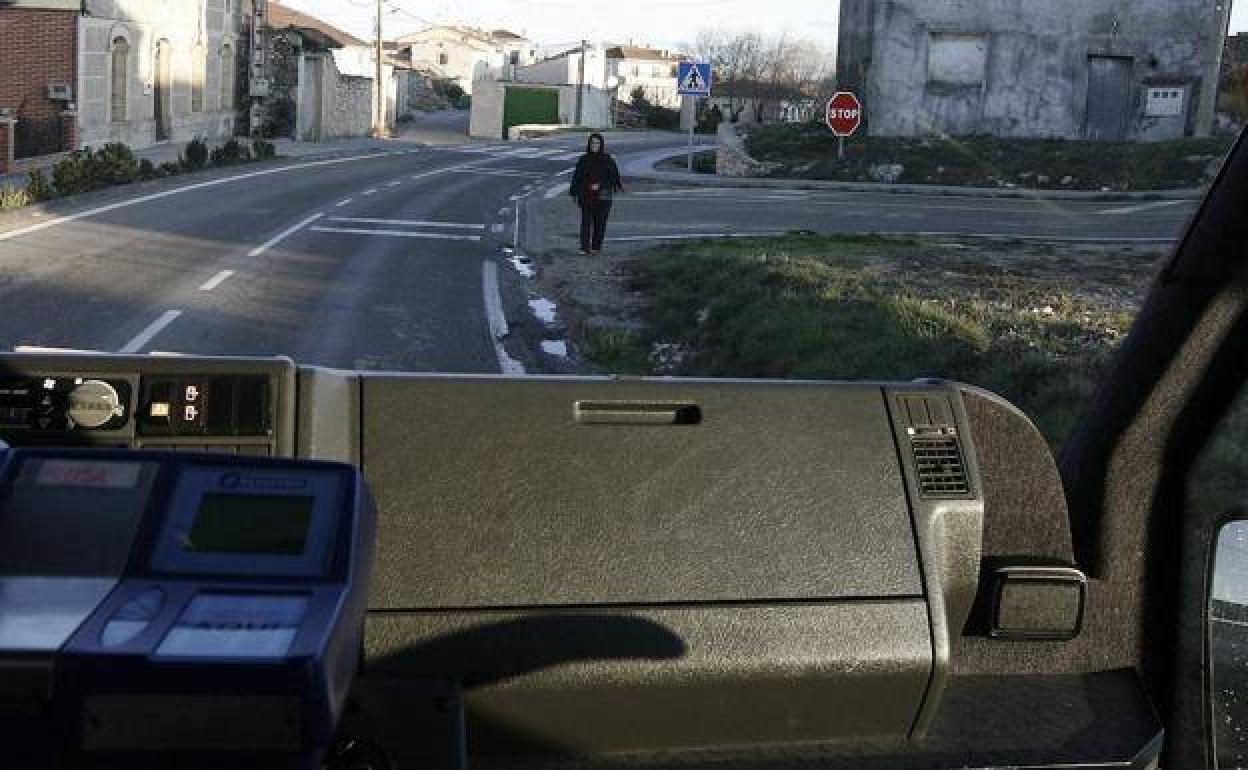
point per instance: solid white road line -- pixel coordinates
(178, 191)
(216, 280)
(497, 320)
(693, 236)
(393, 184)
(154, 328)
(1143, 207)
(396, 233)
(557, 190)
(283, 235)
(407, 223)
(346, 202)
(371, 192)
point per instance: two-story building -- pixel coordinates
(465, 55)
(152, 71)
(653, 70)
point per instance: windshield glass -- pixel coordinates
(853, 190)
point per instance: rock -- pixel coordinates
(1106, 189)
(1026, 175)
(888, 173)
(1011, 186)
(1067, 181)
(940, 170)
(667, 357)
(1043, 180)
(1212, 168)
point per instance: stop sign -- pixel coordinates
(844, 113)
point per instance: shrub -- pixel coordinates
(37, 186)
(114, 164)
(147, 170)
(662, 118)
(228, 154)
(169, 169)
(263, 150)
(196, 155)
(76, 173)
(13, 197)
(464, 102)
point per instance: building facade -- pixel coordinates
(1095, 69)
(565, 68)
(38, 78)
(653, 70)
(465, 55)
(152, 71)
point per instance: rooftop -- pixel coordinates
(282, 17)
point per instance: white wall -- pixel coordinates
(144, 23)
(652, 75)
(356, 60)
(486, 121)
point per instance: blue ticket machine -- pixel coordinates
(179, 610)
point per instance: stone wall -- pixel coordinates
(352, 110)
(731, 157)
(1023, 69)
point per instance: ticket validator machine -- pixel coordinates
(179, 610)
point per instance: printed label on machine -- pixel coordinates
(78, 473)
(219, 625)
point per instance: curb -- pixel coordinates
(709, 180)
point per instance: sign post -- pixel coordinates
(692, 80)
(843, 116)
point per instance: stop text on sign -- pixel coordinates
(844, 113)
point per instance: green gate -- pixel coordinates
(522, 106)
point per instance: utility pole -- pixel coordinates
(379, 122)
(580, 82)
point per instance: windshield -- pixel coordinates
(860, 190)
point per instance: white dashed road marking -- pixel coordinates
(371, 192)
(1142, 207)
(283, 235)
(346, 202)
(407, 223)
(396, 233)
(154, 328)
(557, 190)
(216, 280)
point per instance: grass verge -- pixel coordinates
(1019, 319)
(809, 151)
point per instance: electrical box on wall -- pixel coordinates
(1165, 101)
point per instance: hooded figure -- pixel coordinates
(594, 182)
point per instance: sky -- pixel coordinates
(666, 23)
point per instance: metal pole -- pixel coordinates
(840, 150)
(379, 122)
(691, 109)
(580, 82)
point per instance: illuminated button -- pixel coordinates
(160, 409)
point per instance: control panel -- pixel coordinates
(222, 405)
(197, 611)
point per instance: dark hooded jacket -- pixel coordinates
(595, 167)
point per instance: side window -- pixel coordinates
(227, 77)
(199, 67)
(120, 78)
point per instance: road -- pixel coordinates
(401, 260)
(653, 212)
(379, 261)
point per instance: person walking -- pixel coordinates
(594, 183)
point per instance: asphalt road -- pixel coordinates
(400, 260)
(656, 212)
(381, 261)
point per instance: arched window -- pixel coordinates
(120, 80)
(227, 77)
(199, 69)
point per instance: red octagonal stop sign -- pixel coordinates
(844, 113)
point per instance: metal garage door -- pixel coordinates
(1109, 91)
(522, 106)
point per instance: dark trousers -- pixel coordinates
(594, 223)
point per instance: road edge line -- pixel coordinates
(496, 319)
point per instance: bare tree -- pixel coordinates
(765, 71)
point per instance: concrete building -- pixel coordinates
(1097, 69)
(38, 78)
(151, 71)
(653, 70)
(465, 55)
(565, 68)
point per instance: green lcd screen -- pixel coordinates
(261, 524)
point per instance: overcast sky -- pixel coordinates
(557, 22)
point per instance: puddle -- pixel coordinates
(522, 266)
(544, 309)
(555, 348)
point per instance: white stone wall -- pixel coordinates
(352, 110)
(652, 75)
(567, 69)
(143, 24)
(486, 119)
(467, 60)
(333, 105)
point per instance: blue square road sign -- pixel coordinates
(693, 79)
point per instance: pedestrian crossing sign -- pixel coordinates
(693, 79)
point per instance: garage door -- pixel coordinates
(523, 106)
